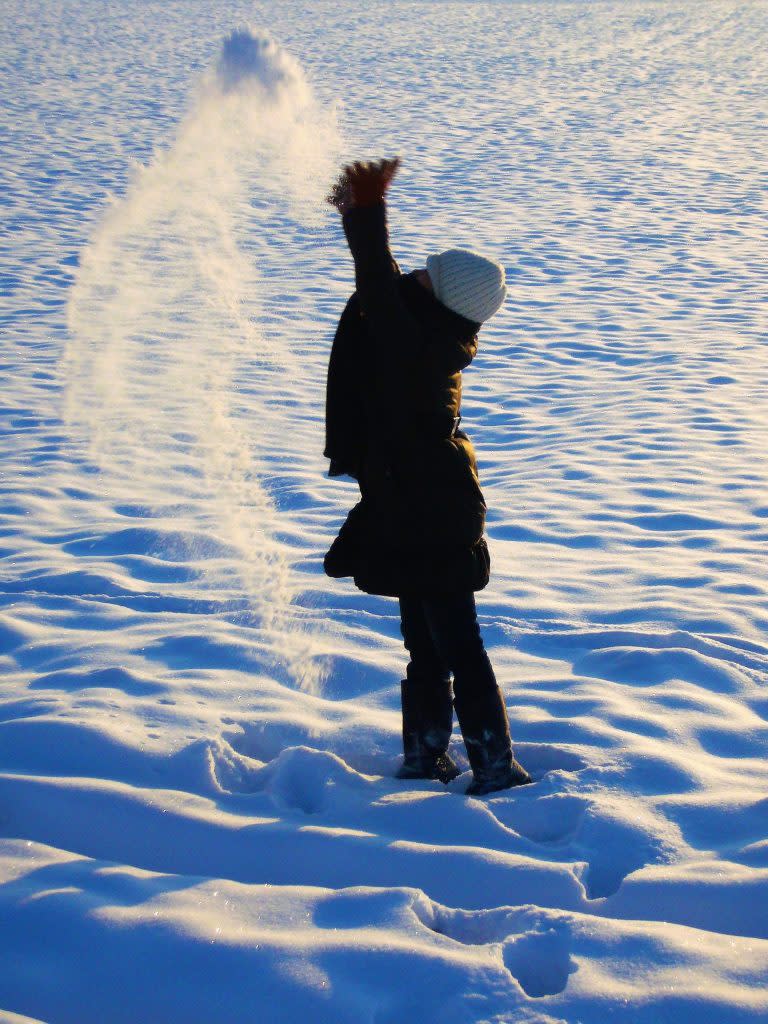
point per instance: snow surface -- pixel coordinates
(198, 730)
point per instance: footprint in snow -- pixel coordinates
(540, 961)
(549, 820)
(541, 758)
(535, 943)
(307, 780)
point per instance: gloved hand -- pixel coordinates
(363, 184)
(340, 195)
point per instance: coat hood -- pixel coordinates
(454, 333)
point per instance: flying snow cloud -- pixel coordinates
(254, 62)
(165, 313)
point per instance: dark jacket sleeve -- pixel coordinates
(344, 406)
(376, 274)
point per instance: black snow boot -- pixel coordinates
(513, 775)
(427, 726)
(485, 728)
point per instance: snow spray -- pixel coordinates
(165, 313)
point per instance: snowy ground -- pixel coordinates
(198, 729)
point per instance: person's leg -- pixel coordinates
(455, 632)
(426, 700)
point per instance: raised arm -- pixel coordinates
(359, 195)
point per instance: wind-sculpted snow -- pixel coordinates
(198, 730)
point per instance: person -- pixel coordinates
(392, 423)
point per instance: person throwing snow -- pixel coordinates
(392, 423)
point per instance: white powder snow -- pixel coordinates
(166, 319)
(198, 730)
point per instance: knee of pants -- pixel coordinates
(462, 652)
(425, 663)
(431, 677)
(473, 675)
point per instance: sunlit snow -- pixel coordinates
(199, 730)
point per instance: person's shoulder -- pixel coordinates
(352, 307)
(448, 331)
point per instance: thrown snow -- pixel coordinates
(167, 316)
(198, 730)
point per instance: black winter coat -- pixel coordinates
(392, 408)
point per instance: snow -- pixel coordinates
(198, 730)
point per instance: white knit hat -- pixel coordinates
(467, 283)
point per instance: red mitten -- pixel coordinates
(368, 182)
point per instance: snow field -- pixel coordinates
(198, 731)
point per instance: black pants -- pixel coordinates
(442, 636)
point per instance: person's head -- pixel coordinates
(466, 282)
